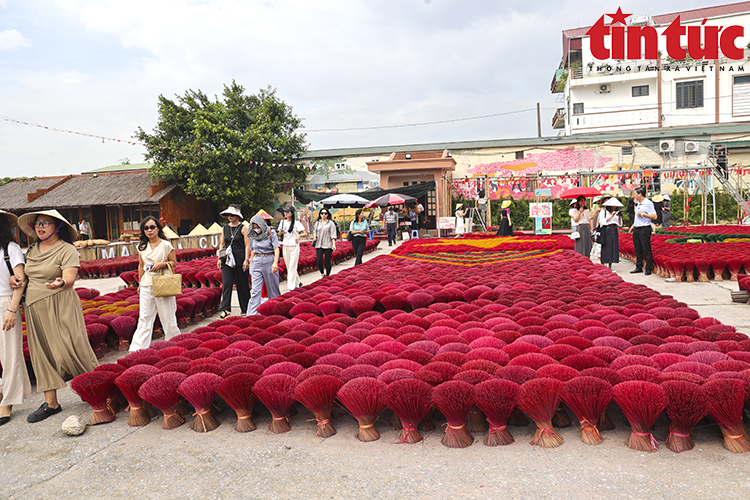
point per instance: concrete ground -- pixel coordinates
(117, 461)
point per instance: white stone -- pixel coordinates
(73, 426)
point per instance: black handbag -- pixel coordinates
(598, 235)
(349, 236)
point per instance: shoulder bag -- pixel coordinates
(222, 252)
(167, 285)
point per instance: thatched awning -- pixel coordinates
(14, 195)
(113, 189)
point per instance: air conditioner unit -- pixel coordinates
(692, 146)
(666, 146)
(605, 88)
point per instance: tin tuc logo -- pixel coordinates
(642, 42)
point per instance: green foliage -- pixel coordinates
(726, 208)
(519, 214)
(240, 149)
(8, 180)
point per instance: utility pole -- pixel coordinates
(538, 121)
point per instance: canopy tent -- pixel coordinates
(390, 199)
(344, 200)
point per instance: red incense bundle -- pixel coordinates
(129, 382)
(123, 326)
(94, 388)
(642, 403)
(276, 392)
(497, 398)
(726, 397)
(364, 398)
(454, 399)
(318, 395)
(96, 333)
(589, 398)
(686, 407)
(200, 391)
(161, 391)
(539, 399)
(237, 391)
(411, 400)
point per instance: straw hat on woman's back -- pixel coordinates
(11, 218)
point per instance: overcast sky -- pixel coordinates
(97, 67)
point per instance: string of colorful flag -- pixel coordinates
(129, 141)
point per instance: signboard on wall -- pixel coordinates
(540, 210)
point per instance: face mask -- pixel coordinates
(258, 231)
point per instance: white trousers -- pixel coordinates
(14, 385)
(291, 259)
(166, 307)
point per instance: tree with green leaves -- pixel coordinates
(240, 149)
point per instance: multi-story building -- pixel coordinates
(641, 85)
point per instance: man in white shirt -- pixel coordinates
(645, 215)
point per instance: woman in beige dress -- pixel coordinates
(14, 384)
(55, 329)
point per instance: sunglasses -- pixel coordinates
(324, 213)
(149, 228)
(44, 223)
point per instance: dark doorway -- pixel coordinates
(99, 222)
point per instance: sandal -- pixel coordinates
(223, 314)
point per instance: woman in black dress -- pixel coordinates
(506, 224)
(610, 222)
(234, 268)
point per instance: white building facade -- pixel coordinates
(633, 92)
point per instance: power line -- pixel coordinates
(438, 122)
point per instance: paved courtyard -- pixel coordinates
(117, 461)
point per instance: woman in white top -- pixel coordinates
(325, 241)
(610, 220)
(582, 218)
(155, 253)
(292, 231)
(460, 230)
(14, 385)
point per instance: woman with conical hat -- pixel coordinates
(55, 329)
(14, 384)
